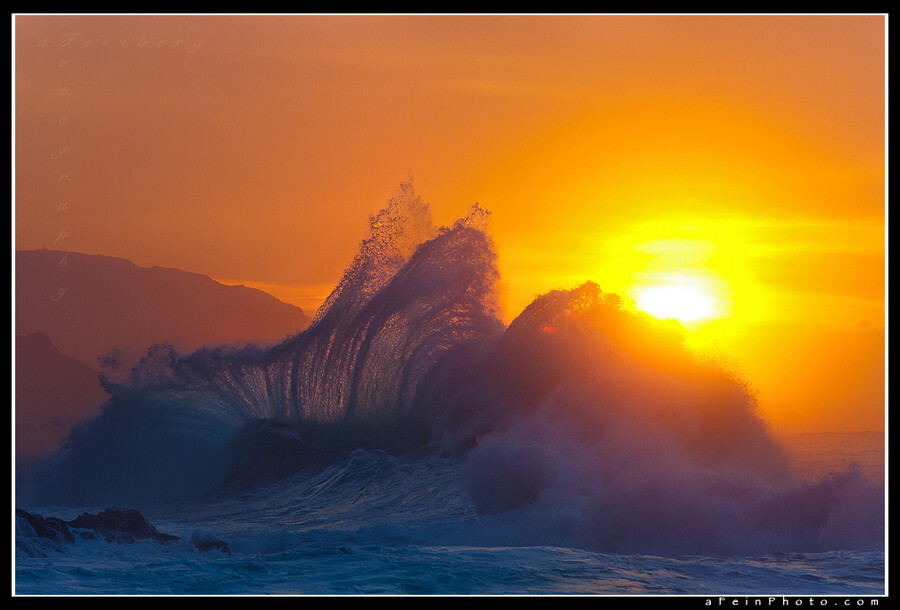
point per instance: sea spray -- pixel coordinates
(607, 433)
(584, 423)
(354, 378)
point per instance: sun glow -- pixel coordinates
(683, 302)
(683, 272)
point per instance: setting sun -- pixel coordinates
(684, 303)
(680, 271)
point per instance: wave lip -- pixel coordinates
(582, 423)
(355, 377)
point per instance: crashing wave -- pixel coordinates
(354, 378)
(583, 421)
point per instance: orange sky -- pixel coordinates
(620, 149)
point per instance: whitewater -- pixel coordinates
(410, 443)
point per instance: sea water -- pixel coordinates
(379, 525)
(409, 443)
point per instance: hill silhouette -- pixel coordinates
(78, 315)
(52, 394)
(99, 307)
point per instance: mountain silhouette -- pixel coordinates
(78, 315)
(105, 311)
(52, 394)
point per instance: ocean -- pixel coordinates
(408, 443)
(374, 524)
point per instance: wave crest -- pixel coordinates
(353, 378)
(583, 420)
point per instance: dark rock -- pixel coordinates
(50, 528)
(120, 525)
(214, 545)
(205, 542)
(35, 535)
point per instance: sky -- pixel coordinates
(729, 164)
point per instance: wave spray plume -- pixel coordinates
(582, 423)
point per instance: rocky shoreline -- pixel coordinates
(114, 525)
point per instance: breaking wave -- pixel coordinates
(583, 422)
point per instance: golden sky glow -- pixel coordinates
(729, 166)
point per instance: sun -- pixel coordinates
(674, 270)
(683, 302)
